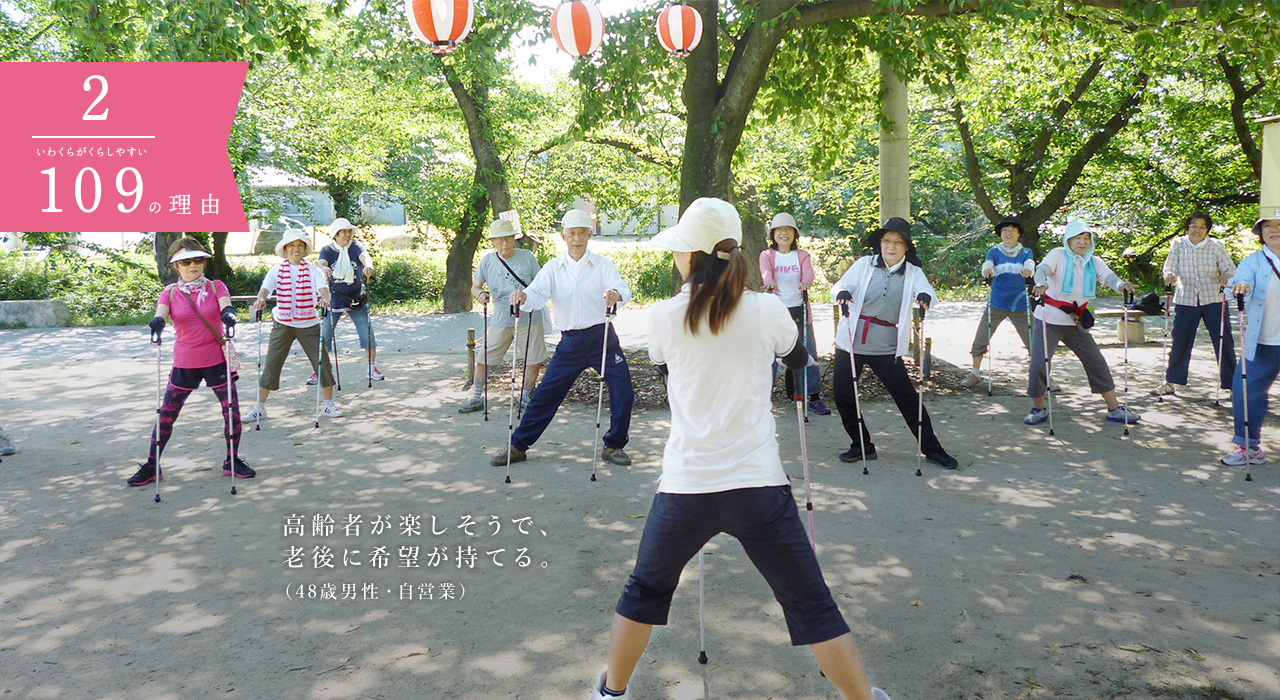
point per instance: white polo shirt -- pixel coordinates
(722, 427)
(576, 290)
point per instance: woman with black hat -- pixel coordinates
(1006, 265)
(877, 293)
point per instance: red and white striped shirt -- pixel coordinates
(297, 290)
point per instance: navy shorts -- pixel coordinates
(767, 523)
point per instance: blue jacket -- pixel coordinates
(1257, 273)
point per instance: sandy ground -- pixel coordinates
(1086, 565)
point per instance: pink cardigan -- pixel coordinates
(766, 267)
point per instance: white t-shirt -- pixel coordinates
(1270, 333)
(786, 274)
(722, 427)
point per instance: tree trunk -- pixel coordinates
(218, 268)
(462, 251)
(491, 185)
(345, 200)
(164, 271)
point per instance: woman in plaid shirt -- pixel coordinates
(1200, 266)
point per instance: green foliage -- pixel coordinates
(93, 289)
(646, 269)
(408, 275)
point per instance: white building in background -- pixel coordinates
(660, 218)
(305, 199)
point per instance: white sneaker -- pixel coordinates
(971, 380)
(258, 412)
(374, 374)
(311, 381)
(877, 694)
(1054, 387)
(6, 445)
(1237, 458)
(331, 409)
(597, 690)
(1122, 414)
(1165, 389)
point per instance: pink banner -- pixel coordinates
(119, 147)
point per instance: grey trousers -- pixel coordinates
(1080, 342)
(1017, 318)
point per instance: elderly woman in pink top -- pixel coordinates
(787, 271)
(198, 307)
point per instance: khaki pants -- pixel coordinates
(282, 338)
(500, 340)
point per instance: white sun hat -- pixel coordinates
(339, 224)
(501, 228)
(704, 224)
(291, 235)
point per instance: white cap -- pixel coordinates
(188, 254)
(576, 218)
(339, 224)
(704, 224)
(502, 228)
(783, 219)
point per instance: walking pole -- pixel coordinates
(702, 622)
(333, 329)
(857, 401)
(524, 369)
(484, 304)
(920, 405)
(804, 342)
(228, 334)
(604, 353)
(1222, 334)
(257, 421)
(801, 399)
(324, 313)
(1168, 291)
(1128, 299)
(1244, 378)
(1048, 355)
(368, 330)
(990, 353)
(155, 338)
(511, 394)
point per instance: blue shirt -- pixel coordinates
(1008, 291)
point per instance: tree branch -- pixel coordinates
(828, 10)
(1239, 95)
(30, 41)
(971, 167)
(648, 157)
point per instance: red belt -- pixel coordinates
(1071, 308)
(866, 326)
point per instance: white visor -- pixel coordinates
(188, 254)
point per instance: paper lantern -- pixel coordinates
(680, 29)
(577, 27)
(440, 23)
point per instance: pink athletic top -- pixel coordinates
(194, 347)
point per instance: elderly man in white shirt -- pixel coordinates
(581, 286)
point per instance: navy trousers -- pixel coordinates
(1186, 321)
(579, 350)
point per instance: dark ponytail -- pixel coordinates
(717, 281)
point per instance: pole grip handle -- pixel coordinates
(515, 311)
(612, 310)
(257, 315)
(155, 337)
(1239, 302)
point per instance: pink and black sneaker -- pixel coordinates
(242, 470)
(146, 474)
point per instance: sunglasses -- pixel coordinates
(190, 261)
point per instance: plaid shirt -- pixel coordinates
(1198, 270)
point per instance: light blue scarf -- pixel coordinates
(1089, 289)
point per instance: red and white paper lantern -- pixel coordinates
(680, 29)
(440, 23)
(577, 27)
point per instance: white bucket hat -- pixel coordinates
(704, 224)
(339, 224)
(502, 228)
(576, 218)
(783, 219)
(188, 254)
(291, 235)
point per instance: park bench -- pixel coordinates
(1134, 328)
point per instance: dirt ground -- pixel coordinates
(1084, 565)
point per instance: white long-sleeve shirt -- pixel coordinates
(576, 290)
(1050, 274)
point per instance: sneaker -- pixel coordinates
(1036, 417)
(618, 456)
(374, 374)
(1122, 414)
(1054, 387)
(1237, 458)
(855, 455)
(6, 445)
(331, 409)
(500, 459)
(146, 474)
(942, 459)
(816, 406)
(597, 690)
(242, 470)
(971, 380)
(1165, 389)
(472, 406)
(311, 381)
(257, 412)
(877, 694)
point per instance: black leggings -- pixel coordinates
(181, 383)
(893, 374)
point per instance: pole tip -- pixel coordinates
(918, 473)
(702, 657)
(864, 471)
(593, 477)
(508, 480)
(233, 489)
(1247, 477)
(157, 498)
